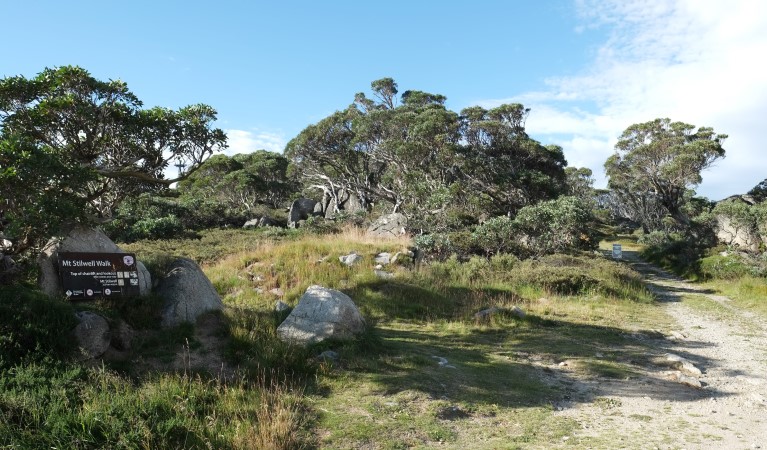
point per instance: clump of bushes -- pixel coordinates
(556, 226)
(732, 266)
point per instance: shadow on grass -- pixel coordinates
(517, 363)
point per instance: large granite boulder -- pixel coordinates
(322, 314)
(80, 239)
(731, 233)
(301, 209)
(92, 334)
(390, 225)
(187, 293)
(344, 201)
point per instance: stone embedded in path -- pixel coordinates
(322, 314)
(681, 378)
(675, 335)
(683, 364)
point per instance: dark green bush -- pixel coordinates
(724, 267)
(435, 245)
(497, 236)
(156, 228)
(556, 226)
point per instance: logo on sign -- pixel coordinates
(128, 260)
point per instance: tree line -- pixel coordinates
(74, 148)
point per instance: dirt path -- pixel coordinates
(655, 409)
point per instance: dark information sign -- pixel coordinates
(93, 275)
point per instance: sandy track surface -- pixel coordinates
(657, 409)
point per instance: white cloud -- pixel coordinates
(241, 141)
(694, 61)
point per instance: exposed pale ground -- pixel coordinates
(650, 410)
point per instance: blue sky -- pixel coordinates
(588, 69)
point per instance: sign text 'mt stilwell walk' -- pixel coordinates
(92, 275)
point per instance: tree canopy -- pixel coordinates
(242, 181)
(418, 156)
(656, 163)
(68, 138)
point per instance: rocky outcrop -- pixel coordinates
(322, 314)
(80, 239)
(390, 225)
(187, 293)
(92, 334)
(301, 209)
(730, 233)
(340, 201)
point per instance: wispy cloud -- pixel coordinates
(689, 60)
(242, 141)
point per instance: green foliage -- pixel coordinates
(37, 192)
(728, 267)
(436, 166)
(675, 252)
(147, 217)
(759, 192)
(655, 164)
(555, 226)
(497, 236)
(241, 183)
(73, 148)
(436, 245)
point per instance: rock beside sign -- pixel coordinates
(187, 293)
(92, 333)
(80, 239)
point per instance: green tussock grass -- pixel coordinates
(747, 292)
(388, 389)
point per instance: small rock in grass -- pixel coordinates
(517, 311)
(281, 306)
(384, 275)
(350, 259)
(383, 258)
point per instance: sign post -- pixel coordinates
(617, 251)
(98, 275)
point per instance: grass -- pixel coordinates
(388, 389)
(747, 292)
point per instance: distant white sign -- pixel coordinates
(617, 251)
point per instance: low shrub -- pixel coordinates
(723, 267)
